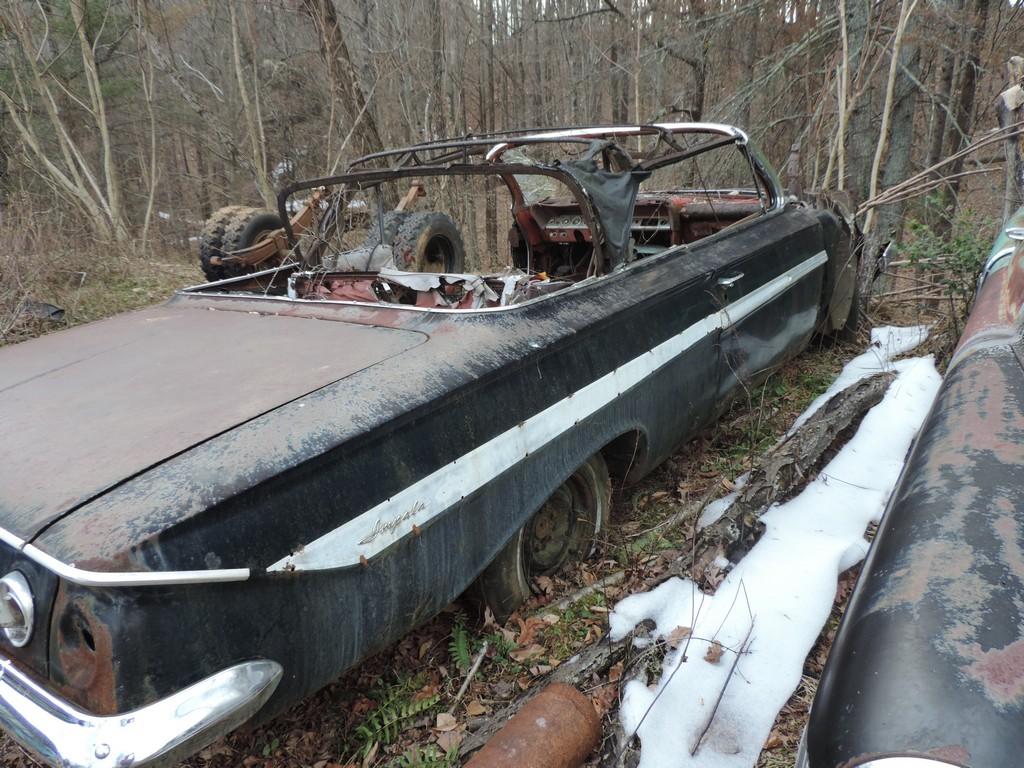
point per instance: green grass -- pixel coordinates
(89, 291)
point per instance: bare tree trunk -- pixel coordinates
(342, 74)
(898, 111)
(95, 192)
(439, 125)
(748, 57)
(861, 134)
(148, 81)
(619, 87)
(637, 21)
(487, 99)
(5, 162)
(888, 219)
(944, 89)
(699, 63)
(906, 9)
(1009, 108)
(164, 60)
(964, 114)
(254, 129)
(99, 114)
(539, 112)
(843, 86)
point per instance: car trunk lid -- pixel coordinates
(85, 409)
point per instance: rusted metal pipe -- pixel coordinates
(558, 728)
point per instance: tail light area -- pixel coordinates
(26, 596)
(17, 609)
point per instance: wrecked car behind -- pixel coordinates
(927, 668)
(213, 507)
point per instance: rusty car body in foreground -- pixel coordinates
(927, 668)
(213, 507)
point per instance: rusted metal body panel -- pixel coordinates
(929, 659)
(558, 728)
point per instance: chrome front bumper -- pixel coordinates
(155, 735)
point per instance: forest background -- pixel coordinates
(125, 123)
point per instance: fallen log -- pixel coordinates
(783, 471)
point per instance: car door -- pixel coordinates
(769, 294)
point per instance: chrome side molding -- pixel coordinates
(86, 578)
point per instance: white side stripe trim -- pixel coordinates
(378, 528)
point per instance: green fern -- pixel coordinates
(393, 713)
(458, 646)
(429, 756)
(271, 747)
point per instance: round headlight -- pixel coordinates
(16, 610)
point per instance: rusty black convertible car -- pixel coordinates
(927, 668)
(336, 440)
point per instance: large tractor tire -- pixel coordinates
(565, 530)
(231, 229)
(392, 221)
(422, 242)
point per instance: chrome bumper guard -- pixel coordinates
(159, 734)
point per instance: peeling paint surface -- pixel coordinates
(929, 659)
(1000, 671)
(970, 483)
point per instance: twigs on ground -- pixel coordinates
(608, 581)
(744, 647)
(469, 677)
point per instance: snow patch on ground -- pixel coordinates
(887, 343)
(776, 600)
(713, 511)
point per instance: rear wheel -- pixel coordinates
(565, 530)
(231, 229)
(422, 242)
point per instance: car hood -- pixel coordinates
(83, 410)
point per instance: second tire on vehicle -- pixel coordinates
(566, 529)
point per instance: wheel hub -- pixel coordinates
(549, 534)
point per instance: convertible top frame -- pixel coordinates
(482, 155)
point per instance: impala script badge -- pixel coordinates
(380, 526)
